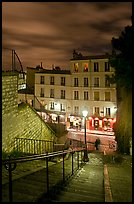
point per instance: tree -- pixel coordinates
(121, 61)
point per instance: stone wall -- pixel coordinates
(19, 121)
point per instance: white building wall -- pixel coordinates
(69, 103)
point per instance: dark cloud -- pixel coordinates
(49, 31)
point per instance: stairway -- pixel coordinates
(85, 186)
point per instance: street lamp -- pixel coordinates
(86, 159)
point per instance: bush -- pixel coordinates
(13, 154)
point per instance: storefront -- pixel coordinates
(100, 123)
(74, 122)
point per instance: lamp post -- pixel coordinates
(85, 159)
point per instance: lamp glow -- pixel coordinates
(85, 113)
(85, 158)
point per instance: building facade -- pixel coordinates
(65, 94)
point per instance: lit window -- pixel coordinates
(85, 67)
(76, 66)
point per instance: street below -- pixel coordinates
(107, 139)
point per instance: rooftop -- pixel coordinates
(81, 57)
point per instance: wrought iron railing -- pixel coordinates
(74, 159)
(33, 146)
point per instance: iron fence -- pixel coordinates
(33, 146)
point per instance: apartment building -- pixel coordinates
(64, 94)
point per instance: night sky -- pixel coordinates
(48, 32)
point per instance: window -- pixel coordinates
(96, 110)
(96, 82)
(62, 94)
(85, 82)
(85, 95)
(76, 84)
(51, 93)
(76, 95)
(42, 92)
(62, 81)
(22, 75)
(107, 111)
(76, 110)
(62, 108)
(96, 96)
(96, 66)
(41, 79)
(76, 66)
(107, 96)
(107, 83)
(52, 106)
(51, 80)
(107, 67)
(85, 67)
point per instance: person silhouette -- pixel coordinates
(97, 143)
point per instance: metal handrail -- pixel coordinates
(11, 163)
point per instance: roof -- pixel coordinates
(106, 56)
(47, 71)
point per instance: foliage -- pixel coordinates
(121, 60)
(13, 154)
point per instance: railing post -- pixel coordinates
(34, 146)
(78, 159)
(63, 167)
(81, 157)
(72, 164)
(10, 182)
(47, 174)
